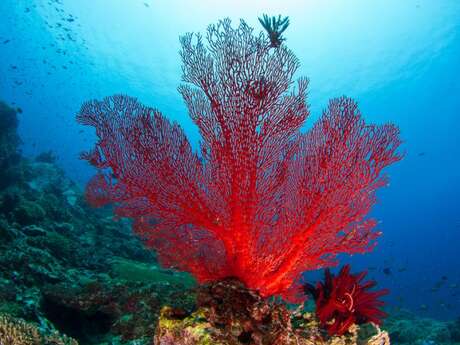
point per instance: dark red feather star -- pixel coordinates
(344, 300)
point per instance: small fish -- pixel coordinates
(6, 41)
(146, 4)
(387, 271)
(421, 154)
(19, 110)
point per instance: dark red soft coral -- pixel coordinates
(344, 300)
(261, 201)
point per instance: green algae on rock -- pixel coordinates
(146, 272)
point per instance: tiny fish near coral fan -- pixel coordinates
(342, 300)
(261, 202)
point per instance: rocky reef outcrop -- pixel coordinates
(9, 145)
(66, 267)
(229, 314)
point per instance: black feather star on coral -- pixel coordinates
(275, 27)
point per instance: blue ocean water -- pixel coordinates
(399, 59)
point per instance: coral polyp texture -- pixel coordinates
(260, 200)
(343, 300)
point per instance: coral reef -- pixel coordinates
(18, 332)
(406, 328)
(9, 142)
(263, 202)
(230, 314)
(67, 267)
(343, 300)
(243, 315)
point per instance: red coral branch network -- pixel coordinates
(261, 201)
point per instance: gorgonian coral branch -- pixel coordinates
(262, 202)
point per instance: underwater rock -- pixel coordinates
(176, 329)
(454, 330)
(8, 119)
(57, 245)
(54, 206)
(406, 328)
(9, 200)
(229, 314)
(102, 308)
(46, 157)
(63, 228)
(34, 230)
(29, 212)
(32, 266)
(71, 196)
(7, 232)
(45, 177)
(9, 142)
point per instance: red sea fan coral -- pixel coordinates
(261, 201)
(343, 300)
